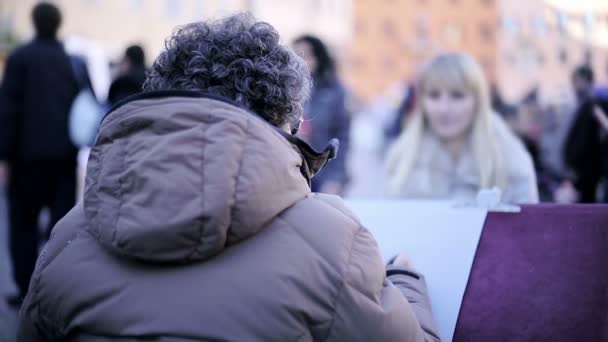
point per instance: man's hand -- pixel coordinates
(566, 194)
(403, 261)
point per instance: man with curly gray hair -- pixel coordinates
(239, 59)
(198, 223)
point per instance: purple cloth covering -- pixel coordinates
(541, 275)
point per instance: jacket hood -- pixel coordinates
(177, 178)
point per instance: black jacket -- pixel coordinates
(583, 151)
(126, 85)
(35, 99)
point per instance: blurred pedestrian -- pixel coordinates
(35, 99)
(601, 115)
(529, 126)
(325, 115)
(498, 104)
(403, 112)
(583, 150)
(455, 145)
(556, 118)
(533, 124)
(132, 75)
(198, 220)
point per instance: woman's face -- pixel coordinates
(305, 51)
(449, 109)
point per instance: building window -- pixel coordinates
(453, 34)
(539, 23)
(562, 22)
(358, 63)
(422, 26)
(510, 25)
(486, 32)
(172, 8)
(388, 27)
(360, 27)
(136, 6)
(563, 56)
(589, 22)
(389, 64)
(487, 64)
(540, 58)
(510, 58)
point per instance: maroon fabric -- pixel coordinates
(541, 275)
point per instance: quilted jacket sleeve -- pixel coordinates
(373, 307)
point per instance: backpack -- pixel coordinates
(86, 112)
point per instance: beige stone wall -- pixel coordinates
(106, 27)
(377, 42)
(117, 23)
(329, 19)
(394, 38)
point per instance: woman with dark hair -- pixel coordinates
(198, 223)
(132, 75)
(325, 115)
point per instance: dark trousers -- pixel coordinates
(32, 187)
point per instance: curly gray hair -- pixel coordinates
(238, 58)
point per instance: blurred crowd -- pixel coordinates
(451, 137)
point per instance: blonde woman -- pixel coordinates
(454, 144)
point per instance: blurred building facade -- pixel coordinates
(101, 29)
(116, 23)
(542, 41)
(393, 38)
(522, 44)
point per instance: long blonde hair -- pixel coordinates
(402, 156)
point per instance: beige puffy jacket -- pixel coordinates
(198, 225)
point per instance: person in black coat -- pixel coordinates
(601, 115)
(132, 75)
(35, 99)
(583, 150)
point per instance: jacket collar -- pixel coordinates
(313, 161)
